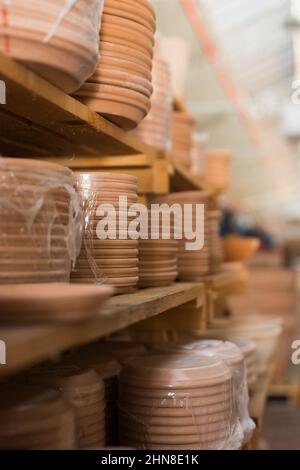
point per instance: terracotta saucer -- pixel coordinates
(110, 244)
(222, 435)
(127, 24)
(127, 37)
(107, 177)
(110, 272)
(133, 426)
(125, 52)
(115, 253)
(126, 66)
(47, 302)
(130, 12)
(125, 116)
(123, 80)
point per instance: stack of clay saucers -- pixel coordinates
(192, 264)
(58, 43)
(108, 369)
(158, 255)
(113, 260)
(249, 350)
(155, 129)
(35, 418)
(40, 222)
(217, 169)
(182, 138)
(215, 242)
(233, 357)
(84, 391)
(121, 87)
(175, 402)
(61, 302)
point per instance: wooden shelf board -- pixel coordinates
(40, 120)
(30, 345)
(183, 180)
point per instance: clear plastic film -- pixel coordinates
(155, 129)
(59, 39)
(233, 357)
(108, 254)
(40, 222)
(178, 402)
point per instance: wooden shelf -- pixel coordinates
(29, 345)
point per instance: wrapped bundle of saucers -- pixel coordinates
(40, 222)
(35, 418)
(58, 40)
(121, 87)
(217, 169)
(155, 129)
(84, 391)
(176, 402)
(182, 138)
(215, 242)
(109, 254)
(158, 254)
(193, 263)
(249, 350)
(234, 358)
(108, 369)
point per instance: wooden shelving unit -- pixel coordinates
(29, 345)
(40, 121)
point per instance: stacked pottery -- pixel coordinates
(35, 418)
(249, 350)
(57, 42)
(215, 242)
(40, 222)
(234, 359)
(217, 170)
(121, 88)
(182, 138)
(108, 254)
(84, 391)
(192, 263)
(155, 129)
(108, 369)
(176, 402)
(158, 255)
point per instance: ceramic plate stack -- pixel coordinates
(54, 302)
(111, 261)
(108, 369)
(215, 242)
(192, 264)
(182, 138)
(249, 349)
(175, 402)
(84, 390)
(35, 418)
(121, 87)
(217, 170)
(58, 43)
(158, 256)
(40, 222)
(155, 129)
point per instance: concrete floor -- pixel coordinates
(281, 429)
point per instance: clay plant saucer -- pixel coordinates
(107, 177)
(127, 24)
(156, 276)
(131, 12)
(188, 402)
(130, 38)
(109, 263)
(121, 51)
(128, 67)
(125, 116)
(163, 430)
(21, 304)
(177, 371)
(100, 245)
(110, 272)
(148, 270)
(114, 253)
(221, 435)
(123, 80)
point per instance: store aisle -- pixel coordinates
(281, 427)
